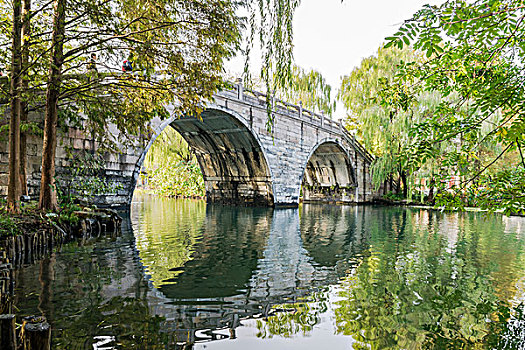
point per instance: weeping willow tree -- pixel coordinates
(310, 88)
(389, 119)
(385, 132)
(359, 89)
(270, 23)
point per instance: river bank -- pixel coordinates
(418, 205)
(28, 238)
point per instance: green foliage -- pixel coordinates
(176, 178)
(393, 196)
(168, 144)
(67, 216)
(359, 89)
(177, 48)
(271, 22)
(474, 58)
(8, 226)
(28, 220)
(83, 179)
(171, 168)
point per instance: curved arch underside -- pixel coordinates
(232, 161)
(329, 176)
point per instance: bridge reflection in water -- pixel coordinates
(183, 273)
(244, 263)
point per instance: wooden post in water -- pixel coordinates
(7, 332)
(36, 334)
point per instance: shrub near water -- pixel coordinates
(172, 170)
(8, 226)
(177, 178)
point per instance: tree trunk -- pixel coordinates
(48, 196)
(403, 176)
(13, 190)
(26, 32)
(7, 332)
(397, 185)
(431, 191)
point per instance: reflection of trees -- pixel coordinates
(328, 232)
(412, 279)
(120, 320)
(92, 293)
(413, 289)
(165, 234)
(287, 320)
(226, 255)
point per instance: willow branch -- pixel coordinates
(521, 154)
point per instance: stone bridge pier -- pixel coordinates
(241, 161)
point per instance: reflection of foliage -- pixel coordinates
(90, 293)
(513, 334)
(165, 241)
(230, 243)
(290, 319)
(438, 295)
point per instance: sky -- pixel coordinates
(333, 37)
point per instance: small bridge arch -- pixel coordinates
(328, 173)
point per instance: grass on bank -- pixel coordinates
(16, 224)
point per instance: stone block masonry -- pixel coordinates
(242, 162)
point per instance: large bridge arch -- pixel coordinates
(232, 159)
(328, 174)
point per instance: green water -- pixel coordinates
(184, 274)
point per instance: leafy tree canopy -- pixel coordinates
(383, 130)
(474, 58)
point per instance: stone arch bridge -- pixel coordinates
(242, 163)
